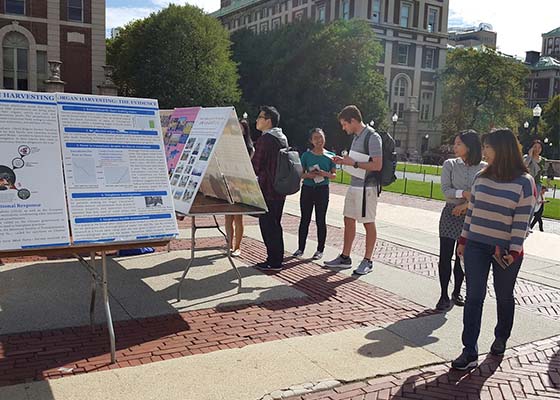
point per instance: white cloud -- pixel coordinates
(120, 16)
(206, 5)
(519, 25)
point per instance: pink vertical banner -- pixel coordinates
(178, 130)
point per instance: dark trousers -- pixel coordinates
(271, 231)
(537, 217)
(313, 197)
(446, 251)
(478, 259)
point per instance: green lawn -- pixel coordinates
(433, 191)
(419, 168)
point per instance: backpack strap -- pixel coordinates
(369, 174)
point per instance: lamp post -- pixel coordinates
(537, 111)
(395, 118)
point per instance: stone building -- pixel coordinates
(413, 34)
(33, 32)
(481, 35)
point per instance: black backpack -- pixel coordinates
(288, 171)
(387, 174)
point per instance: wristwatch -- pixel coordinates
(355, 164)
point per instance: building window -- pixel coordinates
(400, 94)
(75, 10)
(264, 27)
(41, 70)
(321, 14)
(432, 20)
(298, 16)
(405, 14)
(15, 7)
(426, 106)
(429, 53)
(376, 11)
(276, 22)
(15, 50)
(403, 54)
(346, 9)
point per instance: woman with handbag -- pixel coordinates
(457, 176)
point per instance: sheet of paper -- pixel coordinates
(357, 172)
(115, 169)
(32, 200)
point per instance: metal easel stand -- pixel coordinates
(101, 280)
(194, 228)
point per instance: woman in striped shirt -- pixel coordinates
(502, 197)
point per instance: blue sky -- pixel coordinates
(519, 25)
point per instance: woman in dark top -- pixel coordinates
(234, 223)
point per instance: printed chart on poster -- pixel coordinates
(179, 127)
(197, 152)
(115, 169)
(32, 200)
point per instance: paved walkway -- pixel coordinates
(304, 329)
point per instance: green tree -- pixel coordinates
(482, 90)
(309, 71)
(551, 124)
(179, 56)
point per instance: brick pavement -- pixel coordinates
(535, 297)
(525, 372)
(334, 302)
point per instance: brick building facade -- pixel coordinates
(33, 32)
(413, 34)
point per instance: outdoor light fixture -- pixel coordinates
(526, 125)
(537, 111)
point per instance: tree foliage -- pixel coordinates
(309, 71)
(482, 90)
(551, 120)
(179, 56)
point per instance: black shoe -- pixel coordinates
(267, 267)
(464, 362)
(443, 304)
(458, 300)
(498, 348)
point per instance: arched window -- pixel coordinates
(15, 48)
(400, 95)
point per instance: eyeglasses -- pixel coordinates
(262, 117)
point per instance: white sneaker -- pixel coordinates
(339, 262)
(318, 255)
(298, 253)
(236, 253)
(365, 267)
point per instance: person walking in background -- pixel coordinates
(457, 176)
(360, 203)
(550, 174)
(264, 163)
(236, 235)
(496, 224)
(539, 209)
(318, 170)
(535, 163)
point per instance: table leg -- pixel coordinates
(93, 292)
(193, 233)
(107, 307)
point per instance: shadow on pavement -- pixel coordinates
(422, 334)
(554, 370)
(452, 384)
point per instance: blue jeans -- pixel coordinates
(478, 258)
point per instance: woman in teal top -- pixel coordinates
(318, 168)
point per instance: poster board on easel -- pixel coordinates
(215, 174)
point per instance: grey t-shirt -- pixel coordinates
(375, 150)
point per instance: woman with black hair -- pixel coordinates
(457, 176)
(318, 168)
(500, 205)
(235, 235)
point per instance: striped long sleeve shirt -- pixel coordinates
(499, 212)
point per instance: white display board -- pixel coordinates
(115, 169)
(196, 156)
(32, 200)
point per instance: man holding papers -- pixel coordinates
(366, 159)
